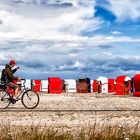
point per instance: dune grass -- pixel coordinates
(94, 132)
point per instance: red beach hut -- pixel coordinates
(123, 85)
(55, 85)
(36, 85)
(111, 85)
(136, 85)
(95, 86)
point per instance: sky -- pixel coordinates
(71, 38)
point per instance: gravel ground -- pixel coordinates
(53, 111)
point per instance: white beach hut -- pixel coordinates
(91, 84)
(104, 84)
(27, 83)
(44, 85)
(70, 85)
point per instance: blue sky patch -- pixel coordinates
(105, 14)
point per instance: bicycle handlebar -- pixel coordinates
(23, 79)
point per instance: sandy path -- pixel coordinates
(72, 118)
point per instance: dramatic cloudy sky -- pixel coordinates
(71, 38)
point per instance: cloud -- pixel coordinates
(90, 56)
(46, 37)
(115, 32)
(54, 22)
(111, 65)
(124, 10)
(64, 3)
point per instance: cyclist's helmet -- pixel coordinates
(12, 62)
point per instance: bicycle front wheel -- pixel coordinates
(4, 99)
(30, 99)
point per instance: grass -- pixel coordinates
(94, 132)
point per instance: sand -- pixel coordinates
(74, 110)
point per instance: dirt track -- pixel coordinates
(74, 110)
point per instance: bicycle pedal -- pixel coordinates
(13, 101)
(17, 99)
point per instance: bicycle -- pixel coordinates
(29, 98)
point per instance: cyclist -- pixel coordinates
(9, 72)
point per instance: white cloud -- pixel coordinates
(56, 24)
(46, 40)
(115, 32)
(78, 64)
(34, 22)
(125, 9)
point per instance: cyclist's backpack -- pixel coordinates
(3, 77)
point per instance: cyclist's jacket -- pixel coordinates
(10, 74)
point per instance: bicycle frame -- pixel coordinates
(25, 92)
(23, 87)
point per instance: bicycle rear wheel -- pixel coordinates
(30, 99)
(4, 99)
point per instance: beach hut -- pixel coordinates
(70, 85)
(27, 83)
(95, 86)
(136, 85)
(44, 85)
(83, 85)
(36, 85)
(64, 86)
(123, 85)
(111, 85)
(102, 84)
(55, 85)
(19, 83)
(91, 85)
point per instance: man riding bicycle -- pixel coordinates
(8, 86)
(9, 72)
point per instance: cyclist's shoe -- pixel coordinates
(13, 101)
